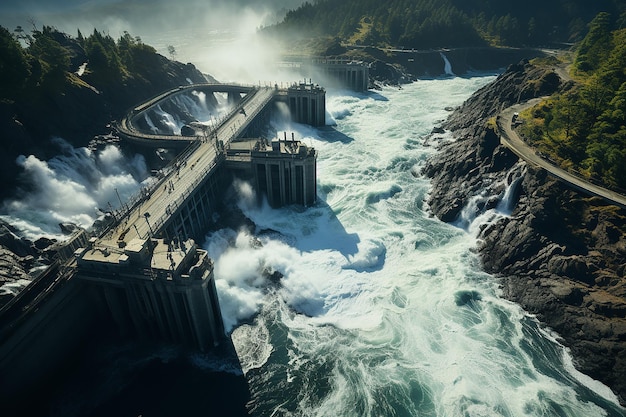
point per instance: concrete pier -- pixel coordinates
(141, 272)
(336, 71)
(307, 103)
(159, 289)
(283, 170)
(350, 73)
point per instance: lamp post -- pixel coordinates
(146, 216)
(118, 197)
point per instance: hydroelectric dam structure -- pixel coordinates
(142, 274)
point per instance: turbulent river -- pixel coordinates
(364, 304)
(382, 309)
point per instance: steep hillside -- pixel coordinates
(60, 86)
(446, 23)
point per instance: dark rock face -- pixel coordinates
(403, 66)
(560, 255)
(16, 256)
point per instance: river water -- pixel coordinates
(382, 310)
(364, 304)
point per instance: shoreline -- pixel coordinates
(558, 254)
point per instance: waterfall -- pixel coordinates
(507, 204)
(73, 187)
(167, 120)
(447, 66)
(150, 123)
(202, 99)
(473, 209)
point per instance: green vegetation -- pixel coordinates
(584, 128)
(445, 23)
(370, 22)
(45, 61)
(56, 85)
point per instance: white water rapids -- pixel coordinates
(382, 310)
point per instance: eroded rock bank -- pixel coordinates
(561, 255)
(401, 66)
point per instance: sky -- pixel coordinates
(215, 35)
(142, 16)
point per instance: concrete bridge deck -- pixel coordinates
(133, 275)
(150, 213)
(126, 128)
(197, 161)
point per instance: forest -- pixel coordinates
(45, 61)
(583, 129)
(56, 85)
(426, 24)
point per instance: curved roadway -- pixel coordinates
(126, 129)
(188, 171)
(510, 139)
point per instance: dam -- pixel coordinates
(342, 72)
(283, 170)
(143, 273)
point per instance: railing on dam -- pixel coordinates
(164, 197)
(126, 128)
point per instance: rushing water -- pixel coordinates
(380, 309)
(77, 186)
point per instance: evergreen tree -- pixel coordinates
(14, 66)
(596, 45)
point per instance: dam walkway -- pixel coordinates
(143, 269)
(149, 214)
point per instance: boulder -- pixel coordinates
(12, 242)
(68, 228)
(43, 243)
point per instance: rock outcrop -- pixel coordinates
(17, 255)
(561, 255)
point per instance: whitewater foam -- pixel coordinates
(381, 309)
(362, 305)
(76, 187)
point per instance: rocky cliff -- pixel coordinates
(560, 254)
(402, 66)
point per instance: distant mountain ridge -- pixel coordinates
(447, 23)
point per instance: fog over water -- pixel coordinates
(380, 309)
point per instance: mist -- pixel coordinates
(218, 36)
(76, 186)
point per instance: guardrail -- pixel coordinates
(139, 197)
(125, 126)
(58, 273)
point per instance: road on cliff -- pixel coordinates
(510, 139)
